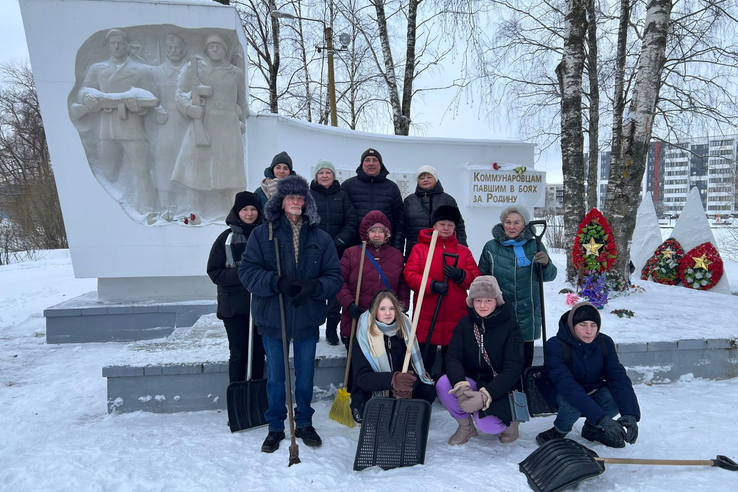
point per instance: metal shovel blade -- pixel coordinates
(247, 403)
(394, 433)
(559, 464)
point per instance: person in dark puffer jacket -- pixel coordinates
(234, 301)
(310, 275)
(417, 210)
(371, 190)
(583, 376)
(374, 230)
(338, 219)
(475, 387)
(280, 167)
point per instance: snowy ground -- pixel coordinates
(57, 435)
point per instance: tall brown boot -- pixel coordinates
(465, 431)
(511, 433)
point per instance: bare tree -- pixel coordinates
(569, 72)
(27, 189)
(593, 95)
(625, 179)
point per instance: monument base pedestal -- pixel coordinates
(89, 319)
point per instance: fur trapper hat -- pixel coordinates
(446, 212)
(484, 287)
(292, 185)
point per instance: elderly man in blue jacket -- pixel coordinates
(311, 274)
(583, 376)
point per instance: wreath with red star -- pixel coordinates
(663, 266)
(701, 268)
(594, 245)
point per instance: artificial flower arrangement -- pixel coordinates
(663, 266)
(701, 268)
(594, 245)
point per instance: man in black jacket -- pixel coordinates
(371, 190)
(310, 275)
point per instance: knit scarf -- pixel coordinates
(523, 261)
(269, 186)
(372, 346)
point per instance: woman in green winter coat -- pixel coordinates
(510, 256)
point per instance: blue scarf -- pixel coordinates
(523, 261)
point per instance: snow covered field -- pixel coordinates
(57, 436)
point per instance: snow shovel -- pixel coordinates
(537, 404)
(247, 400)
(562, 463)
(341, 409)
(427, 343)
(394, 433)
(294, 449)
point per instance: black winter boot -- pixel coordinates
(330, 332)
(592, 433)
(549, 435)
(309, 436)
(271, 443)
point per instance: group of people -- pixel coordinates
(483, 317)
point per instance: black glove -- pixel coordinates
(631, 428)
(454, 273)
(613, 429)
(287, 286)
(354, 310)
(439, 287)
(307, 288)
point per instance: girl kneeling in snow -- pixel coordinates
(484, 362)
(583, 376)
(379, 352)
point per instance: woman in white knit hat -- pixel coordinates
(484, 362)
(418, 208)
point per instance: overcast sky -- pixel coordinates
(468, 123)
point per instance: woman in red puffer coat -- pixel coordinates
(460, 277)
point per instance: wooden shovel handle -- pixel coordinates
(636, 461)
(421, 294)
(353, 321)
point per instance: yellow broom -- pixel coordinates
(341, 408)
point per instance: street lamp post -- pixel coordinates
(328, 33)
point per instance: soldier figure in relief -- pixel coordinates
(171, 129)
(117, 87)
(211, 93)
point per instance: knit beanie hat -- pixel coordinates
(514, 208)
(484, 287)
(583, 311)
(246, 198)
(426, 169)
(446, 212)
(281, 158)
(325, 165)
(372, 152)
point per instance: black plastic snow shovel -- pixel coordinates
(562, 463)
(394, 432)
(427, 343)
(537, 404)
(247, 400)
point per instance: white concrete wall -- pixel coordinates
(105, 243)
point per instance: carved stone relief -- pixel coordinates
(161, 113)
